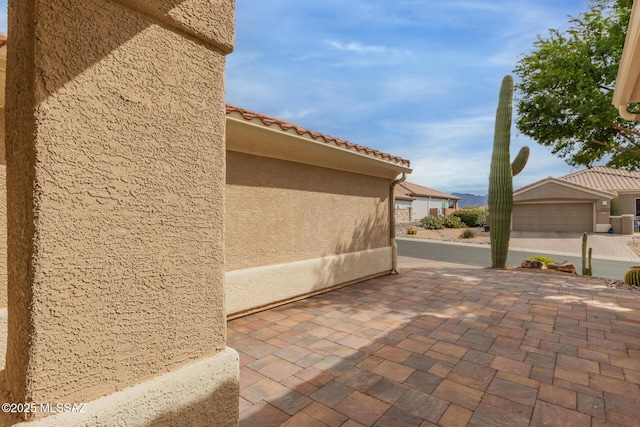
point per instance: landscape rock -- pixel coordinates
(563, 266)
(530, 263)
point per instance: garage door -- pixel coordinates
(553, 217)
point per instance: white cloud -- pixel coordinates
(356, 47)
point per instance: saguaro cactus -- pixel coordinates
(501, 176)
(587, 269)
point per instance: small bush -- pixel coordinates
(453, 221)
(412, 230)
(468, 234)
(472, 217)
(432, 223)
(543, 259)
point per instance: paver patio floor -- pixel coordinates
(446, 345)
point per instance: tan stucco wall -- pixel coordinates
(115, 178)
(279, 211)
(627, 203)
(603, 211)
(3, 187)
(3, 235)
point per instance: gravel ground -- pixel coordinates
(446, 234)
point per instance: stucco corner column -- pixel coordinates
(115, 194)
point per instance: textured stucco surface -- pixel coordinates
(115, 176)
(261, 286)
(3, 335)
(3, 188)
(3, 237)
(280, 211)
(211, 20)
(627, 203)
(204, 393)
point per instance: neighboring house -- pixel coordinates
(403, 204)
(626, 184)
(592, 200)
(416, 202)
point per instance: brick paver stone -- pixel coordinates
(445, 345)
(546, 414)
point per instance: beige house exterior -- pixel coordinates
(136, 229)
(624, 183)
(595, 199)
(414, 202)
(557, 205)
(305, 212)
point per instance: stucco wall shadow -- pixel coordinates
(59, 49)
(205, 412)
(280, 211)
(204, 393)
(347, 270)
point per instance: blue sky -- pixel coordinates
(413, 78)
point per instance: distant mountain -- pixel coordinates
(467, 200)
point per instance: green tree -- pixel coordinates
(566, 85)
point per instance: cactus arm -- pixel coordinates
(584, 254)
(590, 266)
(520, 161)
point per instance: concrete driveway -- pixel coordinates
(605, 246)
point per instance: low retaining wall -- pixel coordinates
(257, 287)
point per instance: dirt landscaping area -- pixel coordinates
(455, 235)
(446, 234)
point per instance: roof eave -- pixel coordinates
(255, 137)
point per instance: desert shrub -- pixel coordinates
(412, 230)
(472, 217)
(432, 223)
(468, 234)
(453, 221)
(542, 258)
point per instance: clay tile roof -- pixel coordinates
(604, 178)
(286, 126)
(401, 193)
(420, 191)
(3, 39)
